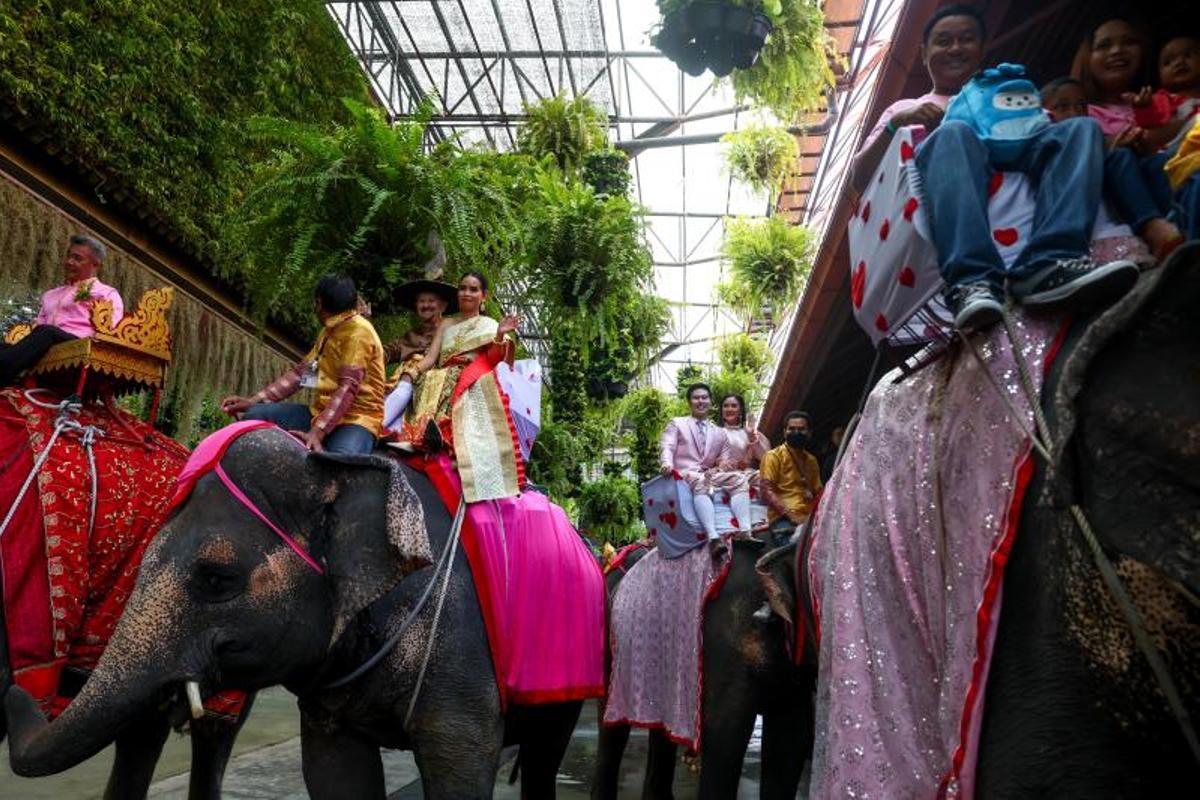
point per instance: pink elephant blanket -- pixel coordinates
(540, 589)
(910, 543)
(657, 638)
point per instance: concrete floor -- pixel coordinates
(266, 765)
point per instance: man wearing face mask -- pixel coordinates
(790, 475)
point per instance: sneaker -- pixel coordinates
(1077, 282)
(976, 305)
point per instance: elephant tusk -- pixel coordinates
(193, 695)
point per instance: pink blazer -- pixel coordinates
(680, 445)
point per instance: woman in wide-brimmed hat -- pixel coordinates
(430, 300)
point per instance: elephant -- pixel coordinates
(140, 742)
(1072, 709)
(222, 600)
(747, 672)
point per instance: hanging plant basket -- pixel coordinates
(711, 35)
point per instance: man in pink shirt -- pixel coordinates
(66, 310)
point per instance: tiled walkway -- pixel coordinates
(266, 765)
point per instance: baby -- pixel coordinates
(1163, 114)
(1129, 188)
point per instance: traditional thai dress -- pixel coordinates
(463, 398)
(734, 470)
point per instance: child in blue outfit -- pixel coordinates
(1064, 162)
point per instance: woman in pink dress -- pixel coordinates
(736, 466)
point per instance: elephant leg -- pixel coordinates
(726, 735)
(137, 750)
(787, 747)
(212, 742)
(606, 782)
(660, 768)
(542, 752)
(459, 758)
(339, 764)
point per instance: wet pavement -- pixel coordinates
(266, 765)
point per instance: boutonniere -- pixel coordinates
(83, 291)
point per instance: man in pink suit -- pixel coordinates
(690, 446)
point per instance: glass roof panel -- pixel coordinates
(484, 59)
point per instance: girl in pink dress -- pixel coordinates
(1112, 66)
(744, 446)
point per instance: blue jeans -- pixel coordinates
(1063, 161)
(1186, 213)
(296, 417)
(1133, 189)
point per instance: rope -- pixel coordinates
(437, 613)
(391, 641)
(62, 423)
(1108, 573)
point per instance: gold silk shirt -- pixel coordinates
(795, 487)
(349, 340)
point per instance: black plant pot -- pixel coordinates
(707, 19)
(751, 42)
(692, 59)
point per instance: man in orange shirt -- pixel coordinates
(790, 475)
(344, 368)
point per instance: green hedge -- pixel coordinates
(152, 94)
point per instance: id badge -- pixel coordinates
(309, 379)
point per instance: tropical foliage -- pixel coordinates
(607, 172)
(362, 198)
(645, 412)
(150, 96)
(793, 70)
(587, 254)
(566, 129)
(610, 510)
(769, 261)
(761, 156)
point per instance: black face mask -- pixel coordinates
(798, 439)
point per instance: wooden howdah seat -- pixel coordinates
(131, 356)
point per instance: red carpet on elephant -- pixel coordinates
(541, 591)
(65, 586)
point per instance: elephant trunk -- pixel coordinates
(142, 657)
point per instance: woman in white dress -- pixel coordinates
(736, 466)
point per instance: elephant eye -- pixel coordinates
(215, 582)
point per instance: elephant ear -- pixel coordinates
(776, 572)
(375, 530)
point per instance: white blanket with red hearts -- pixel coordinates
(893, 263)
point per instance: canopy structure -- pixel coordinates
(482, 61)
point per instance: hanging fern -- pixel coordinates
(566, 129)
(769, 261)
(362, 198)
(761, 156)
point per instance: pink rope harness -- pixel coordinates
(241, 497)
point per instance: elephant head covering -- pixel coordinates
(207, 458)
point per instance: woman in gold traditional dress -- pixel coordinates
(460, 402)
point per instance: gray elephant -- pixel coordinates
(222, 600)
(1072, 709)
(747, 672)
(140, 741)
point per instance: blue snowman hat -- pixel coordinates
(1004, 109)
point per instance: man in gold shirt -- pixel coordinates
(790, 475)
(345, 370)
